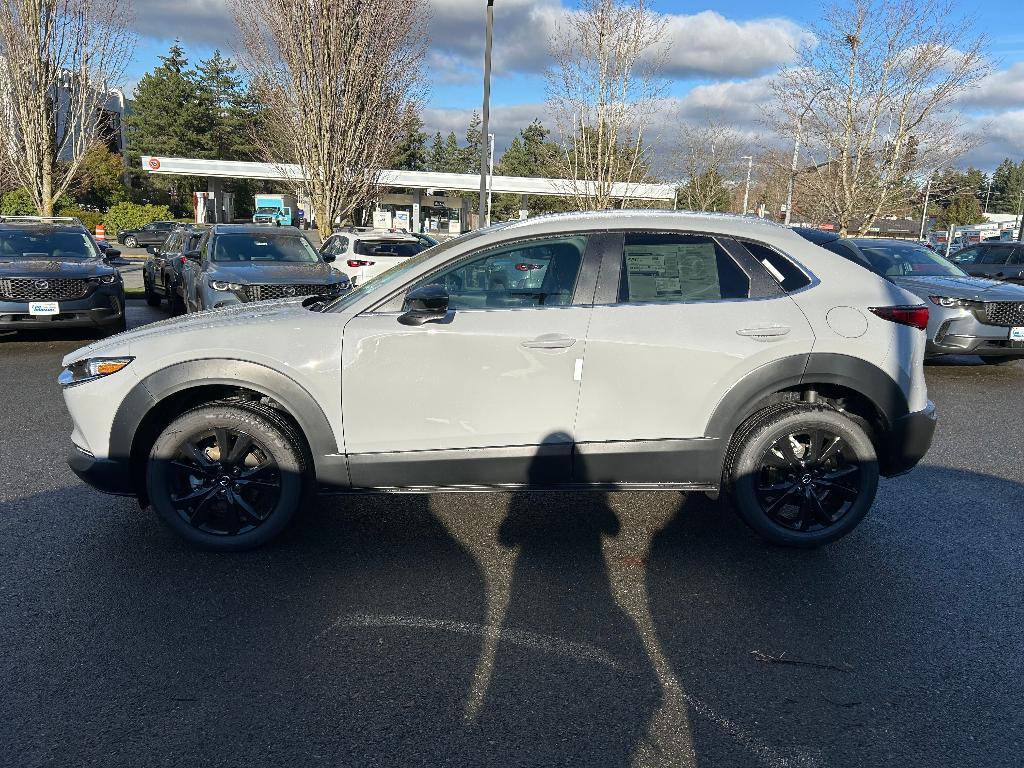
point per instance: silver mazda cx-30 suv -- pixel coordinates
(657, 350)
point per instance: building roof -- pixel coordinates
(456, 182)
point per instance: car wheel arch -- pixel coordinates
(865, 390)
(165, 394)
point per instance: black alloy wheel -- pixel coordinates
(224, 482)
(807, 480)
(800, 475)
(228, 476)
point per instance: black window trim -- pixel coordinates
(607, 293)
(582, 295)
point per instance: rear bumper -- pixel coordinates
(106, 475)
(908, 441)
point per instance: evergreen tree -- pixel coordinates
(471, 152)
(228, 113)
(1007, 185)
(962, 209)
(435, 161)
(411, 152)
(164, 111)
(452, 159)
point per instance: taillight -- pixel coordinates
(355, 263)
(915, 316)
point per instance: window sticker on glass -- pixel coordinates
(672, 271)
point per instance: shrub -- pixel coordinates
(89, 218)
(17, 202)
(132, 216)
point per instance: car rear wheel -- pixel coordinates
(131, 242)
(802, 476)
(227, 478)
(153, 299)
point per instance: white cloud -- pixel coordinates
(708, 44)
(1004, 137)
(704, 44)
(1003, 88)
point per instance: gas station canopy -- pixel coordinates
(455, 182)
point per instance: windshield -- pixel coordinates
(247, 247)
(891, 259)
(397, 272)
(57, 245)
(400, 248)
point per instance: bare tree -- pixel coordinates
(58, 59)
(708, 156)
(602, 88)
(874, 98)
(335, 77)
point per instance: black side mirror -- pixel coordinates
(329, 257)
(111, 255)
(423, 304)
(191, 255)
(152, 249)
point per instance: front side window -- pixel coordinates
(247, 247)
(970, 256)
(335, 246)
(533, 273)
(678, 269)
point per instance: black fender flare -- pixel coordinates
(815, 368)
(158, 386)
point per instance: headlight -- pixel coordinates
(82, 371)
(949, 302)
(106, 279)
(223, 285)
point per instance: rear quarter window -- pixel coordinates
(788, 274)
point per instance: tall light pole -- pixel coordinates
(490, 176)
(796, 154)
(988, 194)
(486, 116)
(924, 213)
(746, 191)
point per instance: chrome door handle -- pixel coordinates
(765, 331)
(549, 341)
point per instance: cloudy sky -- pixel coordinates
(722, 56)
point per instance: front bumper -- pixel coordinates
(103, 307)
(106, 475)
(908, 441)
(959, 332)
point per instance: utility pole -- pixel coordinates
(490, 177)
(1020, 217)
(988, 194)
(746, 191)
(486, 116)
(924, 213)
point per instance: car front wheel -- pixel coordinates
(227, 478)
(131, 242)
(802, 476)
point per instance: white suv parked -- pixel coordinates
(657, 350)
(362, 253)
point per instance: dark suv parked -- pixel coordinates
(1003, 260)
(161, 274)
(153, 233)
(53, 273)
(236, 263)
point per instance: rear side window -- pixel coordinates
(678, 268)
(992, 254)
(789, 275)
(1018, 255)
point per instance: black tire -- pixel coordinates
(153, 299)
(232, 503)
(1002, 359)
(131, 242)
(802, 476)
(175, 303)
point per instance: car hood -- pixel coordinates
(975, 288)
(278, 272)
(250, 315)
(52, 268)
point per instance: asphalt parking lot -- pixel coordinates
(600, 630)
